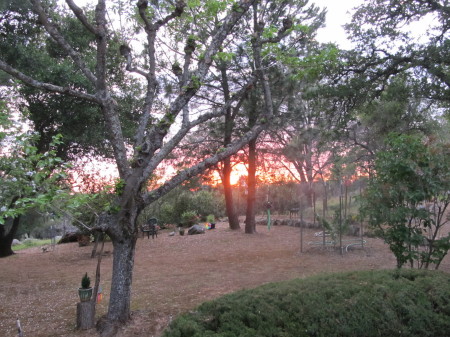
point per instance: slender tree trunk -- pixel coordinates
(233, 218)
(325, 200)
(250, 223)
(309, 173)
(314, 207)
(6, 239)
(98, 237)
(345, 202)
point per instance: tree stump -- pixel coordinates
(85, 315)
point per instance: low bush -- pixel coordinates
(368, 303)
(189, 218)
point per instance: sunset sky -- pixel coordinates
(337, 15)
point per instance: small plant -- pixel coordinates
(211, 218)
(119, 186)
(189, 218)
(85, 282)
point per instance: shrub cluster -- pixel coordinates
(183, 206)
(374, 303)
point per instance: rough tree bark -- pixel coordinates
(85, 315)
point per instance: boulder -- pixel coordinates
(16, 242)
(69, 237)
(196, 229)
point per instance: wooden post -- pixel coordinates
(361, 230)
(301, 238)
(19, 329)
(85, 315)
(341, 205)
(86, 310)
(301, 230)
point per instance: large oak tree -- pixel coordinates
(164, 29)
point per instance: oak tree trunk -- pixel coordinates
(124, 244)
(6, 239)
(122, 275)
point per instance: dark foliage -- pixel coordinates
(369, 303)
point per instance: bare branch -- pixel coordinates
(109, 105)
(179, 9)
(158, 132)
(80, 15)
(46, 86)
(203, 165)
(151, 30)
(55, 34)
(259, 69)
(238, 97)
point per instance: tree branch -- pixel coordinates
(55, 34)
(80, 15)
(203, 165)
(259, 69)
(46, 86)
(239, 97)
(159, 131)
(109, 105)
(125, 51)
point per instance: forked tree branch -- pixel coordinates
(237, 98)
(159, 131)
(203, 165)
(151, 30)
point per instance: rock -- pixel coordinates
(69, 237)
(196, 229)
(16, 242)
(172, 234)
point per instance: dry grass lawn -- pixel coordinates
(172, 275)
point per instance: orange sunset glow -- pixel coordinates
(91, 175)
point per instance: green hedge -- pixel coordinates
(376, 303)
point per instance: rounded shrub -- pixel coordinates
(364, 303)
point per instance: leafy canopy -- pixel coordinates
(410, 186)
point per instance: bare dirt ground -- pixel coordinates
(172, 275)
